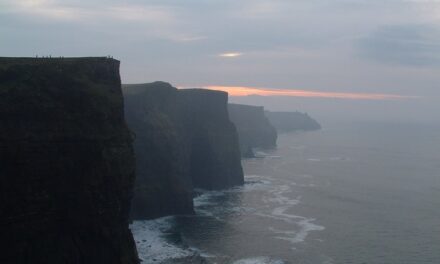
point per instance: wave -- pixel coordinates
(278, 199)
(306, 225)
(261, 154)
(214, 203)
(157, 242)
(280, 196)
(259, 260)
(152, 244)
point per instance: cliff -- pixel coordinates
(163, 184)
(66, 162)
(184, 139)
(254, 129)
(214, 148)
(292, 121)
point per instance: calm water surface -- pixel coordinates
(355, 193)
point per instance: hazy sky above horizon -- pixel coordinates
(340, 47)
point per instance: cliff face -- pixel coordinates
(184, 139)
(214, 149)
(163, 184)
(254, 129)
(66, 162)
(292, 121)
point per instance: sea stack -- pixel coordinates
(66, 162)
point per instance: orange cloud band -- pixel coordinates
(245, 91)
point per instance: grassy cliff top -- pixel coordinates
(241, 109)
(203, 91)
(131, 89)
(9, 61)
(155, 90)
(147, 88)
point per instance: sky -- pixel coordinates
(372, 59)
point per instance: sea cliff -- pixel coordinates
(66, 162)
(184, 140)
(254, 129)
(163, 184)
(292, 121)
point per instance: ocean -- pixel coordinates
(349, 193)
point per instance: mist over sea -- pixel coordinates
(350, 193)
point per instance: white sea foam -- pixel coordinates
(209, 204)
(206, 197)
(281, 196)
(258, 177)
(260, 153)
(254, 184)
(151, 243)
(279, 201)
(259, 260)
(305, 225)
(205, 205)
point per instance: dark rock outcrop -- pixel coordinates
(292, 121)
(66, 162)
(184, 139)
(254, 129)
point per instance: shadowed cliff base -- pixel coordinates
(254, 129)
(66, 162)
(184, 140)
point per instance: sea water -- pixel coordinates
(350, 193)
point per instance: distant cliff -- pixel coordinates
(66, 162)
(254, 129)
(292, 121)
(184, 139)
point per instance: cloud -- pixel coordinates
(230, 54)
(315, 43)
(58, 10)
(413, 45)
(245, 91)
(43, 8)
(139, 19)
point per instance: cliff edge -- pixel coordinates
(66, 162)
